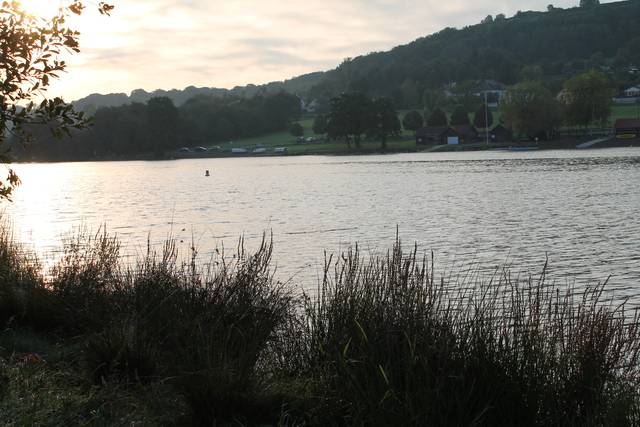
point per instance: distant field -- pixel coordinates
(320, 146)
(625, 111)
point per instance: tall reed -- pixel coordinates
(387, 344)
(243, 309)
(22, 290)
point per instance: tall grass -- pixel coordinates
(21, 284)
(382, 340)
(386, 343)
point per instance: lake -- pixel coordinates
(578, 209)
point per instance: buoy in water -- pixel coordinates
(207, 173)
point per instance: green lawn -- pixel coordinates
(625, 111)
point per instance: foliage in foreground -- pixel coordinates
(381, 341)
(30, 47)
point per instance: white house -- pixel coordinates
(498, 90)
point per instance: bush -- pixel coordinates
(224, 353)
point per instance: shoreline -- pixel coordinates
(573, 142)
(567, 143)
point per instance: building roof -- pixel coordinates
(627, 123)
(490, 85)
(501, 127)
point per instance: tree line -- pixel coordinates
(529, 108)
(154, 127)
(159, 125)
(533, 110)
(353, 115)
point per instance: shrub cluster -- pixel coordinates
(381, 341)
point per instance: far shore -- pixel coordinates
(582, 142)
(319, 148)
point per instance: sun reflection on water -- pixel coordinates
(38, 226)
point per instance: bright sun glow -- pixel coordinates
(43, 8)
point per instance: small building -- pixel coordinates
(627, 128)
(436, 135)
(312, 106)
(466, 133)
(501, 133)
(631, 92)
(446, 135)
(493, 91)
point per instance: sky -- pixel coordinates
(172, 44)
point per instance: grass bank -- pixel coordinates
(383, 340)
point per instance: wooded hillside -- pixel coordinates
(551, 46)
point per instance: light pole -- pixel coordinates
(486, 118)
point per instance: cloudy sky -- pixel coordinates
(172, 44)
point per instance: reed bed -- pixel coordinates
(382, 340)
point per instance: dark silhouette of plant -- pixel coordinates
(412, 121)
(437, 118)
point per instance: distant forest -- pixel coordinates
(158, 126)
(550, 47)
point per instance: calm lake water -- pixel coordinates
(579, 209)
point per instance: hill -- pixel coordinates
(299, 84)
(552, 46)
